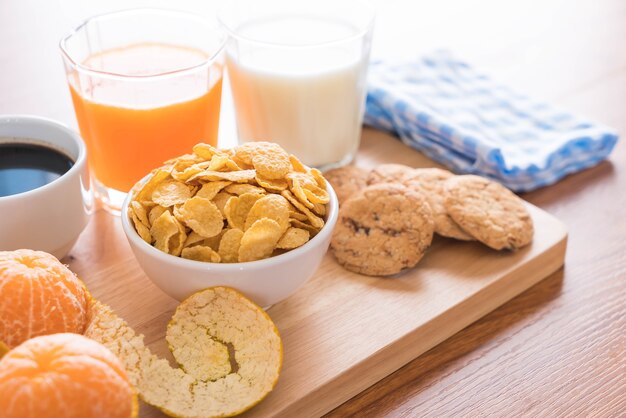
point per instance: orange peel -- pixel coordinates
(229, 351)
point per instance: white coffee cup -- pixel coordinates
(51, 217)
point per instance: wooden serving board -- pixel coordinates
(342, 332)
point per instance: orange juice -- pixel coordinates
(131, 128)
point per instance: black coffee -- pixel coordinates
(26, 166)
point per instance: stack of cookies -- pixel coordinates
(388, 216)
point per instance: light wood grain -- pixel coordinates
(555, 350)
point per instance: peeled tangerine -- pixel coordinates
(38, 296)
(228, 349)
(64, 376)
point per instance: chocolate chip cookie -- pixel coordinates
(382, 230)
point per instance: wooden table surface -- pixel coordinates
(559, 348)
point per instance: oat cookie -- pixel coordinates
(347, 181)
(430, 181)
(488, 211)
(382, 230)
(389, 173)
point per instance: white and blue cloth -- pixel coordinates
(462, 119)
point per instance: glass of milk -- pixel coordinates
(297, 71)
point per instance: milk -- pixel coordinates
(307, 98)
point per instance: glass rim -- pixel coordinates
(362, 32)
(148, 10)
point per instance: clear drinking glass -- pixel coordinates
(146, 86)
(297, 71)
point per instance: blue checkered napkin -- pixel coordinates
(462, 119)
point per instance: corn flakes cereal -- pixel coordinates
(229, 245)
(220, 162)
(145, 193)
(214, 242)
(220, 201)
(315, 220)
(272, 206)
(170, 193)
(142, 229)
(242, 204)
(241, 176)
(187, 173)
(245, 152)
(202, 216)
(269, 159)
(298, 192)
(272, 185)
(210, 190)
(319, 209)
(184, 160)
(141, 212)
(177, 242)
(163, 230)
(201, 253)
(297, 164)
(241, 188)
(193, 238)
(319, 178)
(205, 151)
(259, 241)
(155, 212)
(176, 211)
(237, 208)
(294, 214)
(272, 165)
(303, 225)
(306, 188)
(293, 238)
(317, 195)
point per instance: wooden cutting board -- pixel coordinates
(342, 332)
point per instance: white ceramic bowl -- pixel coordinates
(51, 217)
(266, 281)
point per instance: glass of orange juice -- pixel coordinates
(146, 86)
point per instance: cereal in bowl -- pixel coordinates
(224, 206)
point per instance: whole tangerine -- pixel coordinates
(64, 376)
(38, 296)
